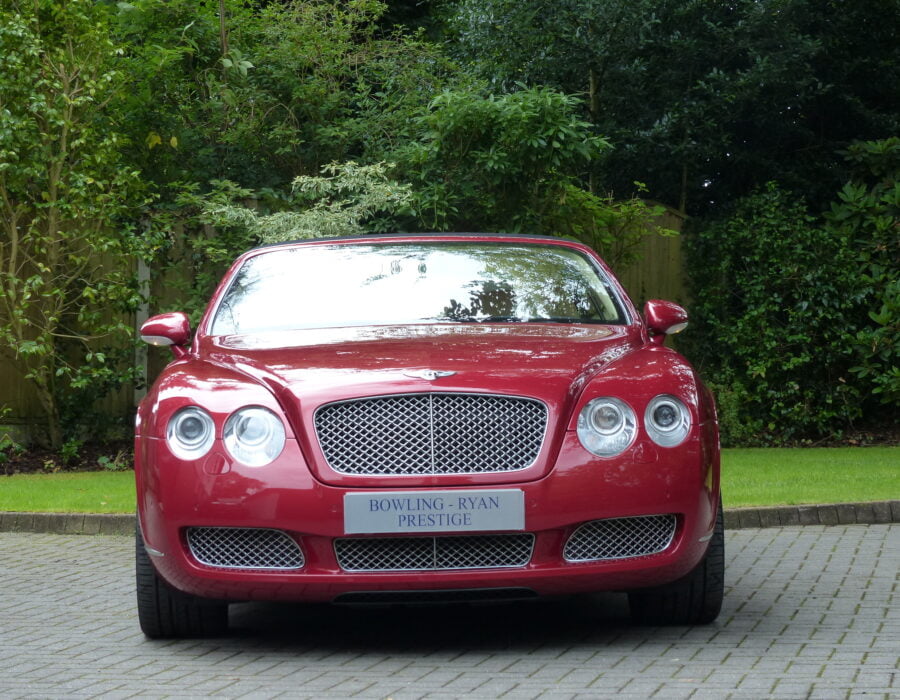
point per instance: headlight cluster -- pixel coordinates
(607, 426)
(252, 435)
(190, 433)
(667, 421)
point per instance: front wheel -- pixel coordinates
(695, 599)
(164, 612)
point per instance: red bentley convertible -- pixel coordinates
(424, 417)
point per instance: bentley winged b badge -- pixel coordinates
(428, 374)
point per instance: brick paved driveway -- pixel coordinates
(809, 612)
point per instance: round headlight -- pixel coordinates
(254, 436)
(190, 433)
(667, 420)
(606, 426)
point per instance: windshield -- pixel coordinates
(321, 286)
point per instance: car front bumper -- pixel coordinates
(215, 492)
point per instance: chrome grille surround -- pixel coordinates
(435, 433)
(434, 553)
(244, 548)
(620, 538)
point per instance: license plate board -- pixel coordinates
(459, 510)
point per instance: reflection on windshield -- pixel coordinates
(325, 286)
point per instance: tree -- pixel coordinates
(64, 197)
(704, 101)
(339, 202)
(511, 162)
(295, 85)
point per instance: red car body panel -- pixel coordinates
(294, 373)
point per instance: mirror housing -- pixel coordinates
(173, 329)
(664, 318)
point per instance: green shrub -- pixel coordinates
(777, 299)
(867, 215)
(485, 162)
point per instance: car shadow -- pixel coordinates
(513, 625)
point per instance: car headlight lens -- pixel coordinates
(190, 433)
(667, 420)
(606, 426)
(254, 436)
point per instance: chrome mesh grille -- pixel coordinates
(431, 434)
(433, 553)
(618, 538)
(244, 548)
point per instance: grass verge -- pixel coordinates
(68, 492)
(776, 477)
(750, 477)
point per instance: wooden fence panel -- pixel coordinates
(658, 272)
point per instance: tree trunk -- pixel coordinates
(594, 107)
(223, 33)
(51, 411)
(594, 94)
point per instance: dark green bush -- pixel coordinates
(777, 299)
(867, 216)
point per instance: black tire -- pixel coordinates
(695, 599)
(164, 612)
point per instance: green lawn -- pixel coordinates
(750, 477)
(77, 492)
(772, 477)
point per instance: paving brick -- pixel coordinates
(809, 612)
(865, 513)
(8, 521)
(881, 512)
(40, 522)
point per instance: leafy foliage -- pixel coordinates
(867, 217)
(288, 88)
(184, 132)
(775, 298)
(337, 203)
(797, 316)
(346, 199)
(64, 200)
(704, 101)
(486, 162)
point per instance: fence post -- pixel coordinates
(141, 315)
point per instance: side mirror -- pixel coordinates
(172, 329)
(664, 318)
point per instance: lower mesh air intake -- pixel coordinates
(620, 538)
(433, 553)
(244, 548)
